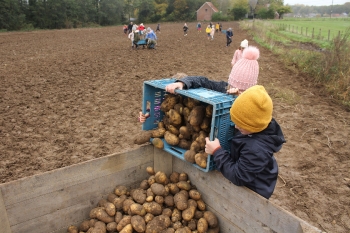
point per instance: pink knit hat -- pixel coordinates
(245, 72)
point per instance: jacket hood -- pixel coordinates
(272, 135)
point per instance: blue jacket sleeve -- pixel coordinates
(200, 81)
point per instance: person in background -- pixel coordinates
(158, 28)
(208, 30)
(250, 161)
(212, 32)
(125, 29)
(199, 27)
(141, 30)
(229, 35)
(135, 37)
(130, 27)
(151, 43)
(185, 29)
(243, 75)
(238, 53)
(220, 27)
(150, 34)
(217, 27)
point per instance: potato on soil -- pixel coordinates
(196, 116)
(211, 219)
(184, 185)
(201, 159)
(202, 225)
(171, 139)
(184, 144)
(169, 102)
(161, 178)
(137, 209)
(158, 224)
(138, 223)
(143, 137)
(158, 133)
(153, 208)
(72, 229)
(150, 171)
(174, 117)
(189, 156)
(125, 221)
(158, 143)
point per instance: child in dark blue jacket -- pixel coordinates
(250, 162)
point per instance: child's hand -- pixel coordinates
(143, 117)
(211, 146)
(233, 91)
(173, 86)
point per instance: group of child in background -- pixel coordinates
(139, 32)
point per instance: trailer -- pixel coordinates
(54, 200)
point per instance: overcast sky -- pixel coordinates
(316, 2)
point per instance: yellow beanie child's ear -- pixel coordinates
(252, 110)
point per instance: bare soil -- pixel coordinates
(68, 96)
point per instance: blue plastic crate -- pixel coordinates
(221, 125)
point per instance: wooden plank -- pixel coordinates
(16, 191)
(163, 161)
(256, 207)
(5, 225)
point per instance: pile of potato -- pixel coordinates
(161, 204)
(186, 124)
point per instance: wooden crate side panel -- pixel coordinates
(17, 191)
(256, 207)
(163, 161)
(5, 225)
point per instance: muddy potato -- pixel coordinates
(167, 212)
(206, 124)
(211, 219)
(127, 229)
(186, 112)
(118, 202)
(201, 205)
(102, 215)
(99, 227)
(171, 139)
(72, 229)
(148, 217)
(176, 216)
(138, 223)
(169, 200)
(195, 194)
(189, 156)
(122, 223)
(111, 197)
(209, 111)
(195, 146)
(118, 216)
(144, 185)
(202, 225)
(93, 212)
(174, 177)
(139, 195)
(143, 137)
(198, 214)
(174, 117)
(158, 189)
(172, 129)
(159, 200)
(214, 230)
(110, 208)
(161, 124)
(161, 178)
(112, 226)
(168, 230)
(180, 201)
(183, 176)
(185, 229)
(153, 208)
(126, 205)
(196, 116)
(92, 222)
(184, 144)
(185, 132)
(137, 209)
(121, 190)
(169, 102)
(151, 180)
(158, 143)
(173, 188)
(192, 224)
(178, 108)
(84, 226)
(201, 159)
(158, 133)
(188, 213)
(184, 185)
(190, 102)
(158, 223)
(150, 171)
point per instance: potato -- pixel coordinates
(151, 180)
(159, 200)
(201, 159)
(125, 221)
(161, 178)
(161, 124)
(158, 224)
(195, 146)
(173, 188)
(183, 230)
(189, 156)
(183, 176)
(118, 202)
(150, 171)
(176, 216)
(126, 205)
(99, 227)
(102, 215)
(202, 225)
(209, 111)
(143, 137)
(190, 102)
(174, 177)
(139, 195)
(112, 226)
(110, 208)
(111, 197)
(158, 189)
(121, 190)
(192, 224)
(168, 230)
(180, 201)
(169, 201)
(206, 124)
(169, 102)
(72, 229)
(211, 219)
(196, 116)
(186, 112)
(93, 212)
(148, 217)
(188, 213)
(158, 143)
(171, 139)
(201, 205)
(174, 117)
(153, 208)
(137, 209)
(172, 129)
(138, 223)
(118, 217)
(184, 185)
(178, 108)
(198, 214)
(194, 194)
(185, 132)
(214, 230)
(167, 212)
(84, 226)
(144, 185)
(184, 144)
(158, 133)
(127, 229)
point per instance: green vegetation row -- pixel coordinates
(325, 63)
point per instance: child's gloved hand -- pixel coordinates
(173, 86)
(211, 146)
(142, 117)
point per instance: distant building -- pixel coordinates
(206, 11)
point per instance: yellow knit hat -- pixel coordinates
(252, 110)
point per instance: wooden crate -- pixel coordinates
(52, 201)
